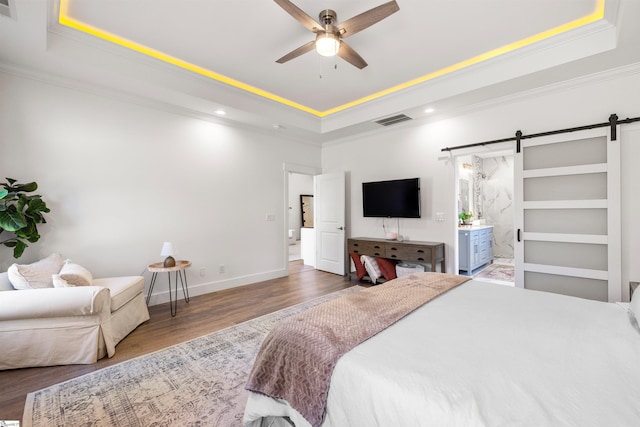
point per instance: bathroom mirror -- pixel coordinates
(306, 209)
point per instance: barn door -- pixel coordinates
(567, 191)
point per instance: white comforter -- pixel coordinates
(486, 355)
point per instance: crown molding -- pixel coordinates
(566, 85)
(141, 101)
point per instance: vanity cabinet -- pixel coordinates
(475, 248)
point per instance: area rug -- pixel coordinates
(196, 383)
(499, 273)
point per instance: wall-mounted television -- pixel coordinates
(399, 198)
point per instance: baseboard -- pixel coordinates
(161, 297)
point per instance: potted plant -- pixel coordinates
(19, 215)
(466, 217)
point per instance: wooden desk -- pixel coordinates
(158, 267)
(426, 252)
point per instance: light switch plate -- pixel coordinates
(439, 216)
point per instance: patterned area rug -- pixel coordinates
(497, 273)
(196, 383)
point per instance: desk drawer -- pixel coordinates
(398, 251)
(418, 254)
(362, 247)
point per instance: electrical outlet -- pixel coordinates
(221, 268)
(202, 272)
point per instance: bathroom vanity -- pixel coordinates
(475, 247)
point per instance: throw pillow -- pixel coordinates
(36, 275)
(59, 282)
(76, 275)
(371, 265)
(360, 270)
(387, 267)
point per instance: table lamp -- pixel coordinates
(167, 250)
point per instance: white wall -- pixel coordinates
(413, 150)
(121, 179)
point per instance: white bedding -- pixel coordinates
(486, 355)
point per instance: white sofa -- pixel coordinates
(70, 325)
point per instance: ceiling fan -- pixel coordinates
(329, 36)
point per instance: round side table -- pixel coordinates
(158, 267)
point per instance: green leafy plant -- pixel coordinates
(20, 213)
(465, 216)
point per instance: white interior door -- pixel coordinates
(330, 222)
(567, 194)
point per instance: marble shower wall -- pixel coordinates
(478, 167)
(494, 200)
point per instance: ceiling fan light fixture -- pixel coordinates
(327, 44)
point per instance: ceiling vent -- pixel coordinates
(6, 8)
(392, 120)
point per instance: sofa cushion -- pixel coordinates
(123, 289)
(75, 274)
(5, 284)
(35, 275)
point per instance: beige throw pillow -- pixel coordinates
(36, 275)
(75, 275)
(59, 282)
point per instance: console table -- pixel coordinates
(428, 252)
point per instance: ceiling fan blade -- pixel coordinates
(299, 15)
(347, 53)
(366, 19)
(297, 52)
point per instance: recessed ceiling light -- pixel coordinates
(429, 110)
(221, 112)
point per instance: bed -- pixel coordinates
(485, 354)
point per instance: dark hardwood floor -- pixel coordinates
(203, 315)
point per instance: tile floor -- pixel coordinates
(500, 272)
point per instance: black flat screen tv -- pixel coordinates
(398, 198)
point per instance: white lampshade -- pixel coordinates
(327, 44)
(167, 249)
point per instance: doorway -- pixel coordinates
(325, 247)
(301, 217)
(485, 188)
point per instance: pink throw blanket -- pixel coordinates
(296, 359)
